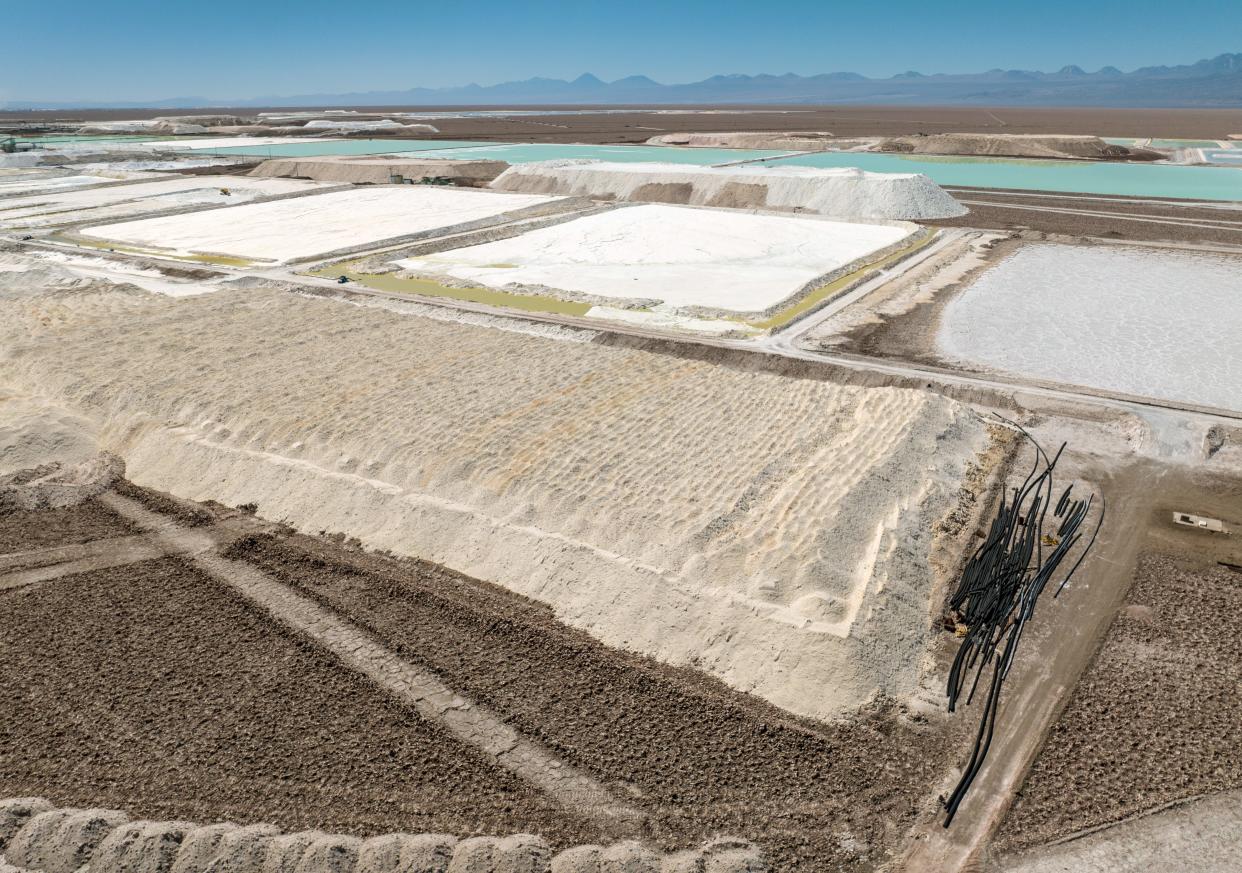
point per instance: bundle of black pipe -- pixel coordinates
(1000, 586)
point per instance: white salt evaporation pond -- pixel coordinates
(1149, 322)
(677, 257)
(302, 227)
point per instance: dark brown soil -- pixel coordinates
(27, 531)
(849, 120)
(230, 169)
(151, 689)
(183, 512)
(1157, 717)
(702, 759)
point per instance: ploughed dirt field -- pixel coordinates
(638, 126)
(1157, 718)
(153, 687)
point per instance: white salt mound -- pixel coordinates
(844, 192)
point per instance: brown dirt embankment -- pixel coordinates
(1016, 146)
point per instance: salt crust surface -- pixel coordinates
(682, 256)
(305, 226)
(1153, 322)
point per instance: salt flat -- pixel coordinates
(1153, 322)
(680, 256)
(306, 226)
(119, 201)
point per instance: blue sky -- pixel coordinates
(141, 49)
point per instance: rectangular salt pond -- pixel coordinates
(674, 257)
(301, 227)
(1151, 322)
(1080, 177)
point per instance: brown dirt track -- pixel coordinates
(848, 120)
(150, 687)
(1122, 218)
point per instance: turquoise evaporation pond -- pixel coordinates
(1080, 177)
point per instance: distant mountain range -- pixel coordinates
(1209, 83)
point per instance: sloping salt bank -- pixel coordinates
(842, 192)
(118, 201)
(302, 227)
(1151, 322)
(710, 259)
(776, 532)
